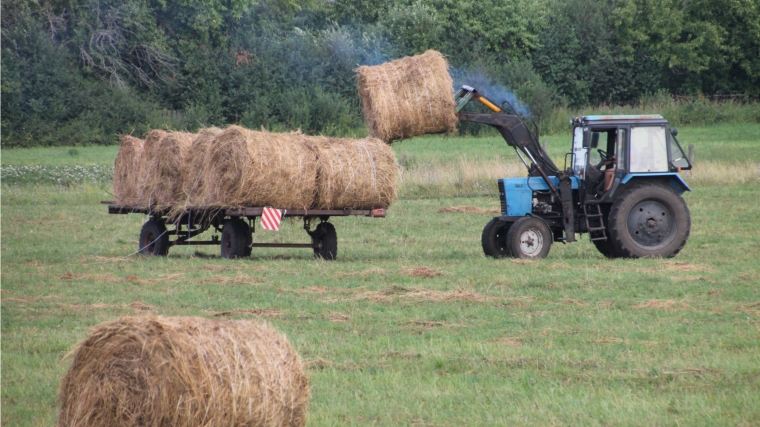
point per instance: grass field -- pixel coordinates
(412, 325)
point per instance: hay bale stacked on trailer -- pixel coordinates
(150, 151)
(183, 372)
(126, 170)
(408, 97)
(351, 173)
(258, 168)
(193, 167)
(164, 179)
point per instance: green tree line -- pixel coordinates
(77, 72)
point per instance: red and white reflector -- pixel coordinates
(271, 218)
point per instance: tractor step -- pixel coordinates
(597, 230)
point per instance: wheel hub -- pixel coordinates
(651, 223)
(531, 241)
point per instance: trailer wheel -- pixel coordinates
(235, 237)
(649, 221)
(529, 237)
(154, 240)
(325, 242)
(494, 239)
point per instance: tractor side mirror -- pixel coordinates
(674, 131)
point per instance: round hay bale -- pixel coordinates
(183, 372)
(357, 174)
(126, 169)
(192, 168)
(150, 150)
(258, 168)
(163, 184)
(408, 97)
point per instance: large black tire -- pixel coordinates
(326, 242)
(235, 237)
(529, 237)
(494, 239)
(649, 221)
(154, 240)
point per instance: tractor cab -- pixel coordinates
(612, 150)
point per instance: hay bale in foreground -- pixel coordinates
(358, 174)
(126, 169)
(183, 372)
(192, 169)
(163, 184)
(258, 168)
(408, 97)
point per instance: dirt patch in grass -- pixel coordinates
(388, 295)
(663, 305)
(421, 272)
(18, 300)
(131, 278)
(141, 306)
(429, 325)
(99, 277)
(375, 271)
(522, 261)
(469, 210)
(686, 266)
(576, 302)
(691, 279)
(611, 340)
(239, 279)
(517, 302)
(262, 312)
(338, 317)
(510, 341)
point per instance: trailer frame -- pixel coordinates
(236, 235)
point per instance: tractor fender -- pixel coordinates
(674, 179)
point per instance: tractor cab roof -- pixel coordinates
(612, 120)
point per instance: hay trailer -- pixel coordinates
(237, 226)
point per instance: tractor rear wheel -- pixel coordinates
(494, 239)
(649, 221)
(529, 237)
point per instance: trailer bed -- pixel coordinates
(236, 225)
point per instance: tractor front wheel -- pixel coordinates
(529, 237)
(649, 221)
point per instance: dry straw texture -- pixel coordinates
(150, 151)
(408, 97)
(257, 168)
(358, 174)
(163, 183)
(184, 372)
(192, 168)
(126, 170)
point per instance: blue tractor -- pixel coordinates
(620, 184)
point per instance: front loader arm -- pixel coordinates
(517, 135)
(512, 128)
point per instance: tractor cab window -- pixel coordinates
(649, 152)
